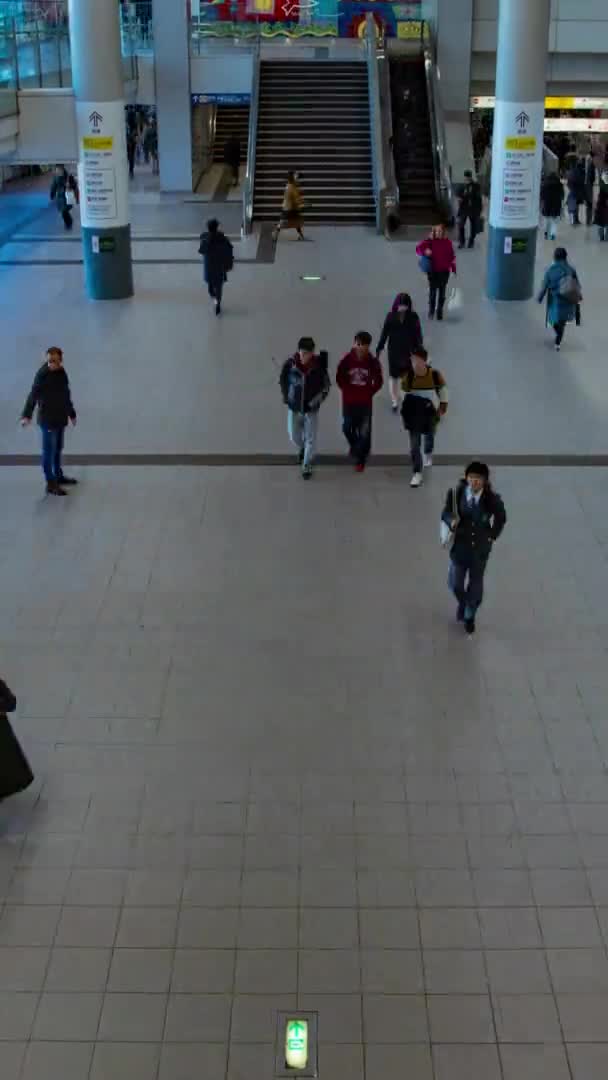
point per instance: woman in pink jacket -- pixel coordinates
(439, 250)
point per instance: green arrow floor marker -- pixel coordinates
(296, 1044)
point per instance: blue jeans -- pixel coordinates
(52, 447)
(416, 440)
(469, 593)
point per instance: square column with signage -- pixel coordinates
(103, 170)
(517, 148)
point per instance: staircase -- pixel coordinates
(314, 118)
(412, 146)
(230, 120)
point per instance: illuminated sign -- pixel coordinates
(296, 1044)
(550, 103)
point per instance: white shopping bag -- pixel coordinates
(454, 303)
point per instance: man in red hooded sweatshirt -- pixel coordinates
(359, 377)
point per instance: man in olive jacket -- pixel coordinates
(50, 393)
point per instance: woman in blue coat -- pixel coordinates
(562, 288)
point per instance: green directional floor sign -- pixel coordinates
(296, 1044)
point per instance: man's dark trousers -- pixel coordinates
(357, 427)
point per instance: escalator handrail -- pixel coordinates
(254, 106)
(444, 190)
(392, 197)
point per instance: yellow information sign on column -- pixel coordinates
(296, 1044)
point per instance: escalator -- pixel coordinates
(412, 142)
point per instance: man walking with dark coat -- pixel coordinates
(232, 157)
(218, 260)
(476, 516)
(50, 394)
(469, 209)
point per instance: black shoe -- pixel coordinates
(460, 613)
(470, 246)
(67, 481)
(440, 316)
(307, 472)
(431, 314)
(300, 457)
(54, 489)
(469, 625)
(218, 308)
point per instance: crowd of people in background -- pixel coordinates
(142, 140)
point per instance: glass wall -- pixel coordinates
(35, 43)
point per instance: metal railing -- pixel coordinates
(254, 108)
(244, 29)
(444, 191)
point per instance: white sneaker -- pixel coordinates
(416, 480)
(427, 461)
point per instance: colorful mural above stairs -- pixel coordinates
(310, 18)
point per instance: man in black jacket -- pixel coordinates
(218, 261)
(50, 393)
(305, 384)
(476, 516)
(470, 207)
(232, 157)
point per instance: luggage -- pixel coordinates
(15, 772)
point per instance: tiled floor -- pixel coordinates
(510, 392)
(271, 773)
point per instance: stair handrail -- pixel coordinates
(375, 121)
(254, 107)
(444, 190)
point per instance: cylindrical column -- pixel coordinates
(517, 147)
(103, 170)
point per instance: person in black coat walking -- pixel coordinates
(470, 208)
(551, 202)
(15, 772)
(576, 190)
(590, 178)
(218, 260)
(475, 516)
(232, 157)
(403, 332)
(601, 208)
(51, 395)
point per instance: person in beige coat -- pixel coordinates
(291, 211)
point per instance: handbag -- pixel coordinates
(447, 534)
(425, 263)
